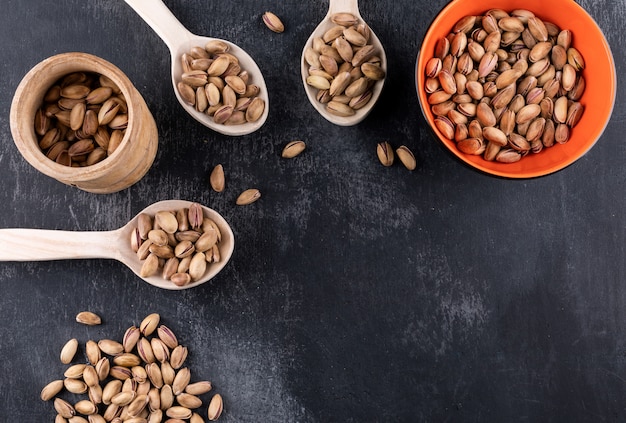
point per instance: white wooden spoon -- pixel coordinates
(43, 244)
(179, 40)
(337, 6)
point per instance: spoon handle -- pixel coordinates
(156, 14)
(42, 244)
(351, 6)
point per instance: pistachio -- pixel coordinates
(255, 109)
(88, 318)
(187, 93)
(223, 113)
(197, 267)
(167, 336)
(120, 372)
(339, 109)
(406, 157)
(103, 368)
(126, 360)
(160, 350)
(445, 126)
(85, 407)
(150, 266)
(293, 148)
(495, 135)
(166, 221)
(178, 356)
(248, 196)
(137, 405)
(508, 156)
(385, 153)
(199, 388)
(215, 407)
(64, 408)
(90, 376)
(360, 101)
(51, 390)
(344, 19)
(110, 347)
(131, 336)
(69, 351)
(123, 398)
(167, 397)
(149, 324)
(188, 400)
(273, 22)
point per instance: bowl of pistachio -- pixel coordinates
(78, 118)
(516, 88)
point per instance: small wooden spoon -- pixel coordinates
(43, 244)
(337, 6)
(179, 40)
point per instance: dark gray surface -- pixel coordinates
(356, 292)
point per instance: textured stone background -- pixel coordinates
(356, 293)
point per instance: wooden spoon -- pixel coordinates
(179, 40)
(43, 244)
(337, 6)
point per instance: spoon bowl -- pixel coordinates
(179, 40)
(340, 6)
(18, 244)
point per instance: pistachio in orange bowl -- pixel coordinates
(516, 89)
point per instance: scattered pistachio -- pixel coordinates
(385, 153)
(273, 22)
(69, 351)
(293, 149)
(406, 157)
(88, 318)
(249, 196)
(133, 390)
(217, 178)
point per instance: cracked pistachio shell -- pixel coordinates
(215, 407)
(273, 22)
(293, 149)
(385, 153)
(88, 318)
(167, 336)
(178, 356)
(406, 157)
(149, 324)
(255, 110)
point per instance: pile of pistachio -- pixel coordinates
(214, 83)
(343, 66)
(502, 85)
(82, 120)
(138, 380)
(181, 243)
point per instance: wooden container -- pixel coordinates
(125, 166)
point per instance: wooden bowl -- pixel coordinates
(125, 166)
(597, 100)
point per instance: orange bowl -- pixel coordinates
(599, 73)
